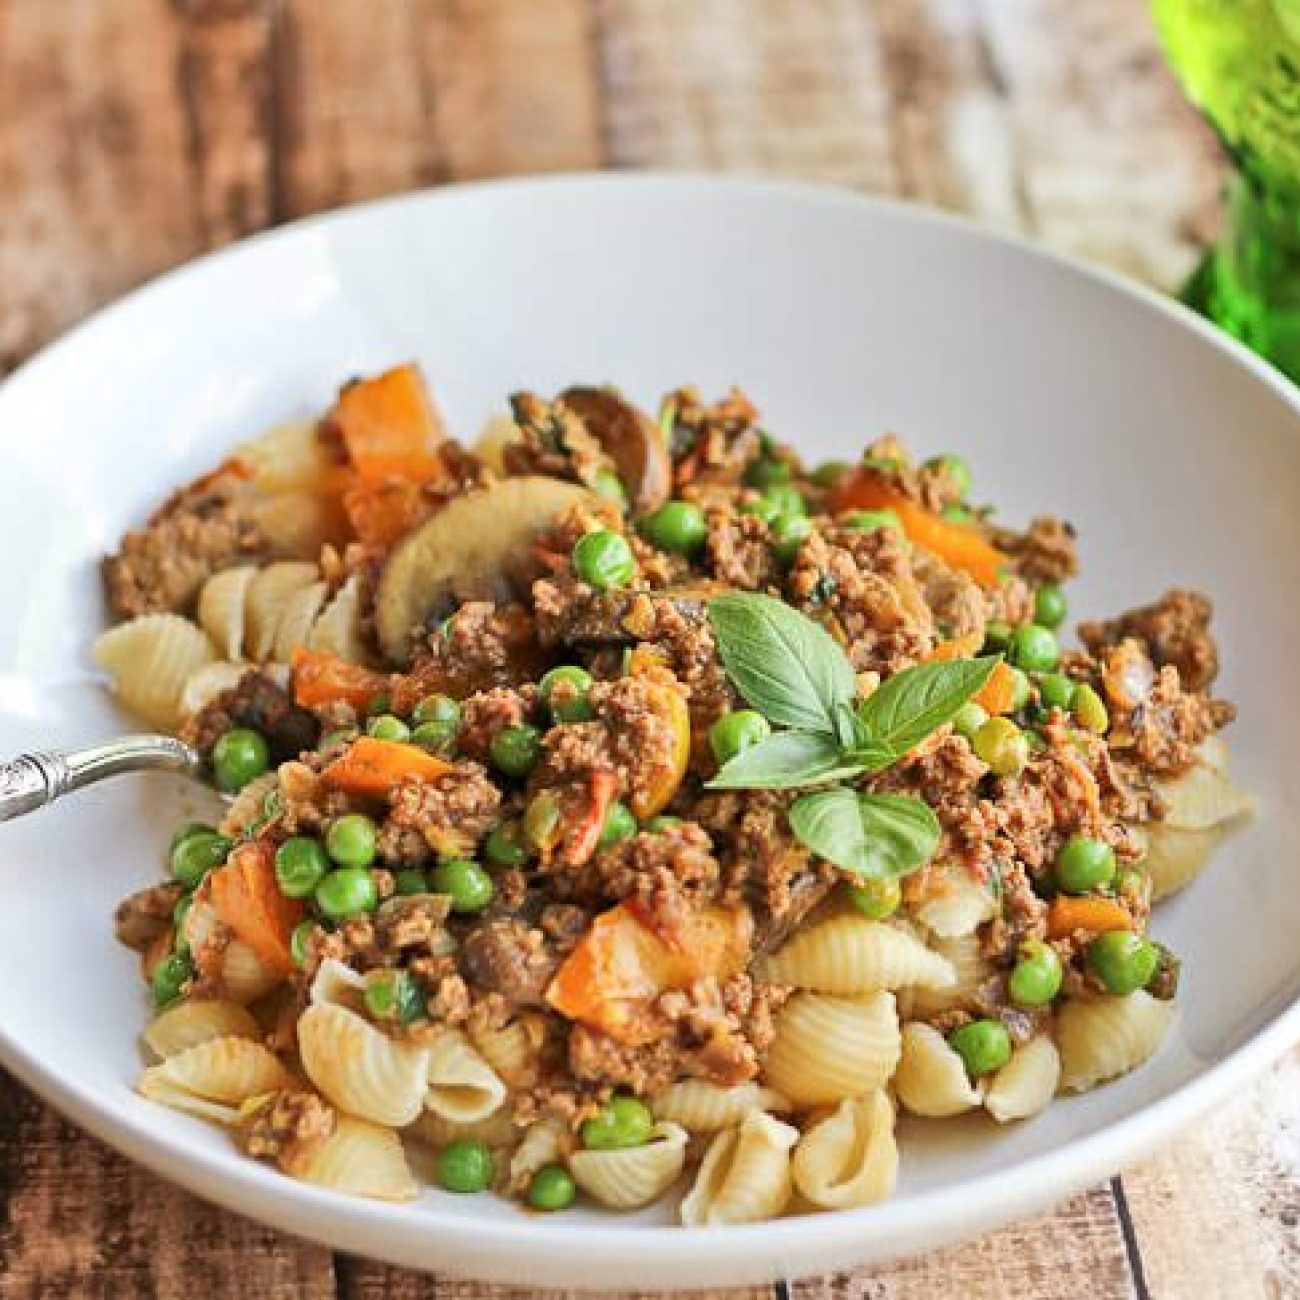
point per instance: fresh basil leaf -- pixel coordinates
(785, 761)
(908, 706)
(846, 726)
(785, 665)
(871, 835)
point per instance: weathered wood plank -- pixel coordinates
(80, 1221)
(1217, 1213)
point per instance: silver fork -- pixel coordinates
(30, 781)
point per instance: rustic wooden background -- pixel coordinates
(137, 133)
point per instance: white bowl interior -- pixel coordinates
(1176, 458)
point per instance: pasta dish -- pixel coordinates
(620, 808)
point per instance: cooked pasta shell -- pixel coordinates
(297, 617)
(1101, 1038)
(545, 1143)
(631, 1177)
(1203, 797)
(512, 1050)
(286, 456)
(703, 1107)
(363, 1159)
(827, 1048)
(497, 1130)
(954, 902)
(239, 972)
(245, 977)
(213, 1078)
(204, 684)
(248, 807)
(850, 1158)
(267, 593)
(359, 1068)
(149, 661)
(462, 1086)
(745, 1174)
(1023, 1087)
(498, 433)
(971, 971)
(197, 1020)
(337, 984)
(849, 954)
(931, 1079)
(339, 630)
(222, 612)
(1173, 858)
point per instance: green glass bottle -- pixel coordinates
(1239, 62)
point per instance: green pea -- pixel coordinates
(609, 487)
(1050, 606)
(1036, 977)
(381, 703)
(170, 977)
(552, 1188)
(465, 1166)
(411, 880)
(565, 691)
(394, 995)
(388, 726)
(877, 898)
(983, 1045)
(433, 737)
(349, 891)
(352, 840)
(196, 855)
(956, 513)
(1034, 648)
(505, 845)
(969, 719)
(867, 521)
(300, 942)
(516, 750)
(763, 508)
(767, 470)
(1055, 690)
(1084, 864)
(437, 708)
(623, 1122)
(541, 821)
(1123, 961)
(677, 526)
(1089, 708)
(958, 471)
(184, 832)
(1002, 745)
(469, 887)
(735, 732)
(1021, 689)
(997, 637)
(238, 757)
(787, 498)
(619, 825)
(336, 740)
(604, 560)
(300, 865)
(657, 825)
(789, 533)
(829, 473)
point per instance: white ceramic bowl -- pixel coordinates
(1174, 451)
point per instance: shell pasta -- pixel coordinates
(621, 810)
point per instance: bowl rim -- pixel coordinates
(244, 1185)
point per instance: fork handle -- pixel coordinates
(30, 781)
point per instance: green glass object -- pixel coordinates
(1239, 62)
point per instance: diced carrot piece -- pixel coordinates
(1066, 914)
(959, 545)
(374, 767)
(998, 694)
(382, 511)
(960, 647)
(323, 678)
(247, 898)
(584, 838)
(389, 426)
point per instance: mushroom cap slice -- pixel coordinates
(477, 547)
(631, 439)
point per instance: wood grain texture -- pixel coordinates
(138, 132)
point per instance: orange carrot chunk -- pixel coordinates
(248, 900)
(323, 678)
(374, 767)
(1066, 914)
(388, 425)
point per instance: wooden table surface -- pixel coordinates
(137, 133)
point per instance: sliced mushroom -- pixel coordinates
(631, 439)
(477, 547)
(623, 617)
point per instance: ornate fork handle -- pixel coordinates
(31, 781)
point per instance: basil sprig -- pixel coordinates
(793, 672)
